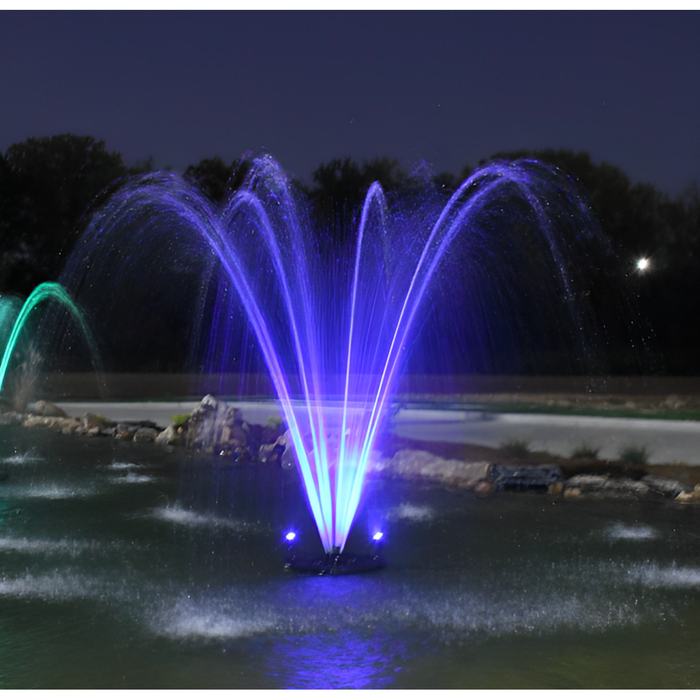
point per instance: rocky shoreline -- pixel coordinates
(215, 427)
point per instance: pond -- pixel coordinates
(131, 566)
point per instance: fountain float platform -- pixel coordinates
(334, 563)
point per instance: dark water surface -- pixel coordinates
(130, 566)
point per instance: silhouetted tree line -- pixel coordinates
(47, 185)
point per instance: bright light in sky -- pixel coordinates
(643, 264)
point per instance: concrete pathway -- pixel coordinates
(666, 441)
(160, 412)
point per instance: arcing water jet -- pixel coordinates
(333, 328)
(16, 322)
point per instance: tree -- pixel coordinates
(215, 179)
(211, 175)
(49, 183)
(340, 187)
(641, 221)
(636, 217)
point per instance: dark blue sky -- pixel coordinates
(447, 87)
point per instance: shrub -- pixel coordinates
(516, 448)
(180, 419)
(585, 451)
(634, 454)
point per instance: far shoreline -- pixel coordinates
(642, 391)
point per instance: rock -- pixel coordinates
(524, 478)
(272, 452)
(287, 458)
(145, 435)
(689, 496)
(484, 487)
(263, 436)
(11, 418)
(171, 436)
(556, 489)
(216, 427)
(418, 464)
(597, 486)
(92, 424)
(668, 488)
(67, 426)
(125, 431)
(46, 408)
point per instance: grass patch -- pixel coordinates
(585, 451)
(516, 447)
(634, 454)
(180, 419)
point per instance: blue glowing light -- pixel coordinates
(377, 536)
(290, 536)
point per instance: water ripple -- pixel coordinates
(183, 516)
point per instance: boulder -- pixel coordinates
(171, 436)
(287, 458)
(11, 418)
(668, 488)
(484, 487)
(689, 496)
(46, 408)
(525, 478)
(418, 464)
(263, 437)
(600, 486)
(145, 434)
(67, 426)
(216, 427)
(92, 424)
(272, 452)
(125, 431)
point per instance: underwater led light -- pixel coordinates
(334, 562)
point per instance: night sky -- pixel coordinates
(448, 88)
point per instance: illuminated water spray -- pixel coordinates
(13, 322)
(9, 310)
(332, 326)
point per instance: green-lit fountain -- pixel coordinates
(14, 318)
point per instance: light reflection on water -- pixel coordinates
(177, 581)
(338, 660)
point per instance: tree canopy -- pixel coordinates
(48, 184)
